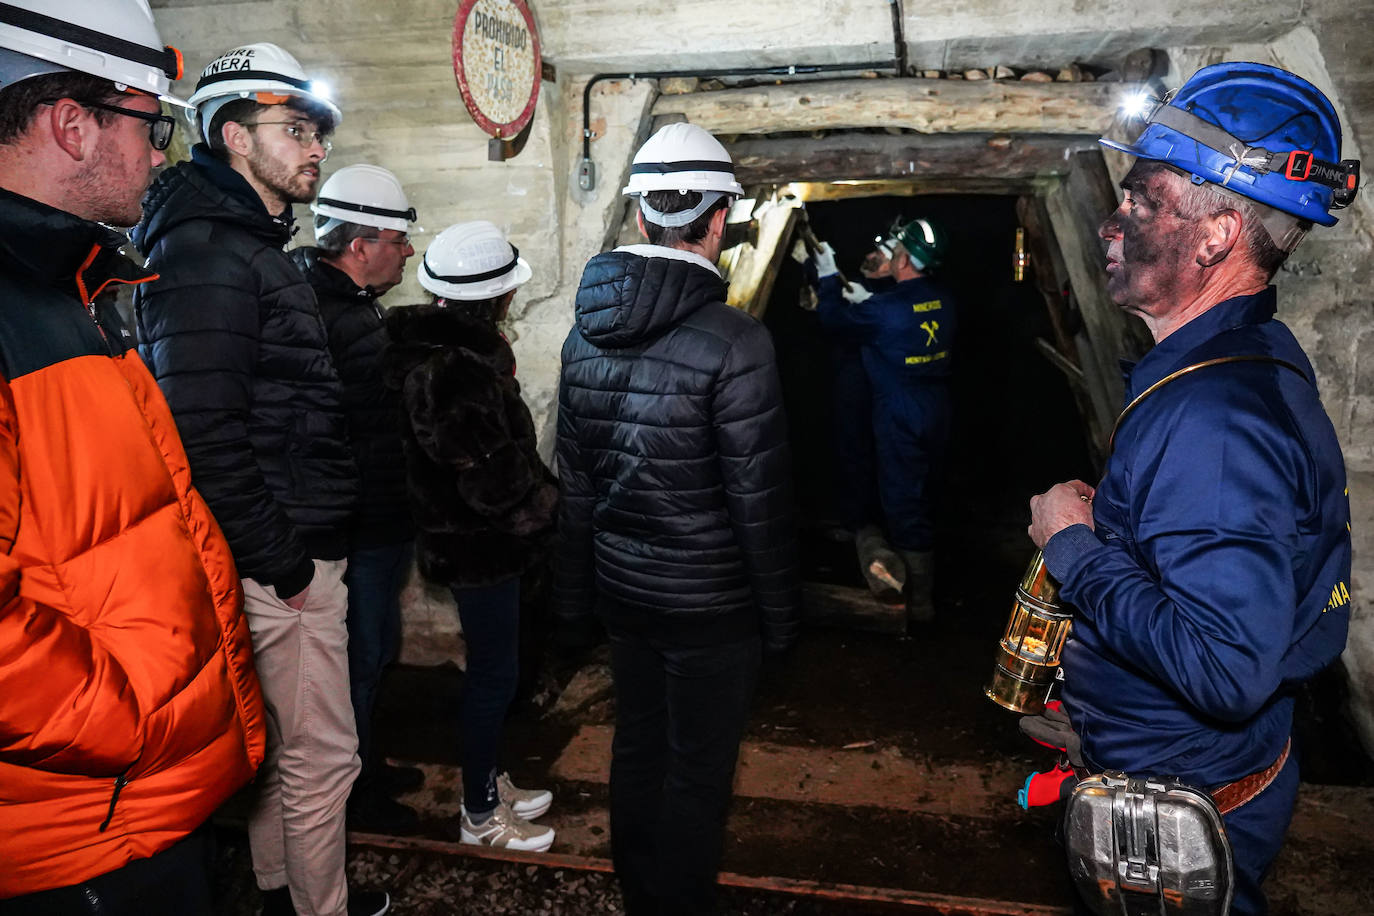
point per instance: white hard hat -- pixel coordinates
(471, 261)
(368, 195)
(682, 157)
(113, 39)
(262, 72)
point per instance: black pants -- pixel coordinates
(491, 627)
(174, 882)
(680, 714)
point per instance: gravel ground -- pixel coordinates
(423, 884)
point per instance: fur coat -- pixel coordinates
(484, 503)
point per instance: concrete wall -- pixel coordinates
(391, 68)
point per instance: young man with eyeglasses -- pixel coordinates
(129, 709)
(362, 218)
(233, 335)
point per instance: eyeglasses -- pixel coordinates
(302, 135)
(160, 126)
(402, 241)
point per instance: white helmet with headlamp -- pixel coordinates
(113, 39)
(266, 74)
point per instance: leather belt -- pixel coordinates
(1234, 794)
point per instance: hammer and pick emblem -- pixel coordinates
(930, 327)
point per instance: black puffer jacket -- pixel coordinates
(673, 458)
(232, 334)
(483, 501)
(357, 339)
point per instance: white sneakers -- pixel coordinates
(526, 803)
(509, 826)
(505, 829)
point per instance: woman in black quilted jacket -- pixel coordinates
(483, 501)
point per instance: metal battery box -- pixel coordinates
(1147, 846)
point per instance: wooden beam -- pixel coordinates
(862, 156)
(850, 608)
(1047, 266)
(754, 268)
(1076, 208)
(1071, 342)
(928, 106)
(848, 190)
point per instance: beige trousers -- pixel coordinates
(296, 829)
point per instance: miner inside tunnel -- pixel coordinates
(1014, 426)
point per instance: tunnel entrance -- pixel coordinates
(1016, 428)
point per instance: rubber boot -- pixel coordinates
(882, 568)
(920, 584)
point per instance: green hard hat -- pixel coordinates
(924, 241)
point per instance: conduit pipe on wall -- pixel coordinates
(586, 173)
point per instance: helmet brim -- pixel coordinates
(1128, 148)
(519, 275)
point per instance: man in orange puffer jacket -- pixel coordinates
(129, 707)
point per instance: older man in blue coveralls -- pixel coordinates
(1210, 568)
(905, 336)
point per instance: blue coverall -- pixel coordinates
(1218, 576)
(851, 398)
(905, 336)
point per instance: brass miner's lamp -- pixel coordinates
(1028, 655)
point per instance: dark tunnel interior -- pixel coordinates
(1015, 428)
(1016, 431)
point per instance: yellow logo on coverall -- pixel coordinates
(1340, 597)
(930, 327)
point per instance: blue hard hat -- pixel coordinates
(1259, 131)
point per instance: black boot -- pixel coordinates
(881, 567)
(920, 586)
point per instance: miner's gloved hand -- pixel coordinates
(1052, 729)
(855, 292)
(824, 259)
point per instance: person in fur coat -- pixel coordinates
(484, 502)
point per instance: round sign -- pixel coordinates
(496, 59)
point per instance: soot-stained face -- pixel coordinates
(1150, 246)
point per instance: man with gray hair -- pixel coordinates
(1210, 568)
(362, 219)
